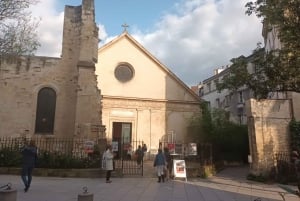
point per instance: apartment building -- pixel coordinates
(231, 101)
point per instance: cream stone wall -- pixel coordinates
(150, 122)
(268, 122)
(155, 101)
(153, 81)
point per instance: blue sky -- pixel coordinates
(138, 14)
(190, 37)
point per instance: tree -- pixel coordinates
(276, 69)
(229, 140)
(18, 29)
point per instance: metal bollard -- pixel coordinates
(85, 196)
(7, 193)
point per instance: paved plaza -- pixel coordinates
(226, 186)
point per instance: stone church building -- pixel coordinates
(55, 97)
(141, 98)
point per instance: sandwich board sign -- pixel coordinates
(179, 169)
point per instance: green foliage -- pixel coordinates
(54, 160)
(239, 70)
(294, 128)
(10, 157)
(277, 69)
(241, 76)
(229, 140)
(18, 29)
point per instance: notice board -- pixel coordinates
(179, 169)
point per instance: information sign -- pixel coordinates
(179, 169)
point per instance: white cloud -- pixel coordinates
(50, 28)
(201, 36)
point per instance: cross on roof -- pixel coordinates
(125, 26)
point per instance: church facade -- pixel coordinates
(142, 100)
(55, 97)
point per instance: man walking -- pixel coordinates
(29, 154)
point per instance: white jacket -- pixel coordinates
(107, 160)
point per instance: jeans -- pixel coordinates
(26, 175)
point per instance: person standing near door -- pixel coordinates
(107, 162)
(29, 159)
(139, 155)
(144, 149)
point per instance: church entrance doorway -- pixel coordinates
(122, 135)
(125, 160)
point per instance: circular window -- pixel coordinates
(124, 72)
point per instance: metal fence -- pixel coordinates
(285, 170)
(126, 160)
(200, 153)
(54, 152)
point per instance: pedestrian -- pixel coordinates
(159, 163)
(144, 149)
(168, 167)
(139, 155)
(107, 162)
(129, 152)
(29, 160)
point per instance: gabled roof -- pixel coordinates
(125, 34)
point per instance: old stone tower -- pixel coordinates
(43, 96)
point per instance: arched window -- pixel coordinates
(45, 111)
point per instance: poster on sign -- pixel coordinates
(171, 147)
(192, 149)
(179, 169)
(114, 145)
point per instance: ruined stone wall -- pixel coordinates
(20, 80)
(72, 77)
(88, 109)
(268, 132)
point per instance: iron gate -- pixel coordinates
(126, 159)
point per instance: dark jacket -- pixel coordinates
(29, 154)
(159, 159)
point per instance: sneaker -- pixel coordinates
(108, 181)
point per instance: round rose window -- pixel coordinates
(124, 72)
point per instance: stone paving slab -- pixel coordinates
(144, 189)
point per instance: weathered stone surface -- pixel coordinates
(72, 77)
(268, 122)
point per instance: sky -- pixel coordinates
(190, 37)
